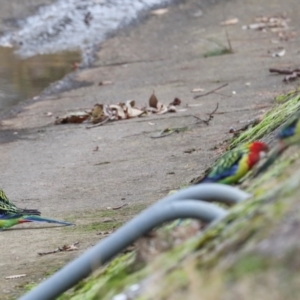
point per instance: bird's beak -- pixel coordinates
(262, 154)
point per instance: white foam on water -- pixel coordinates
(74, 24)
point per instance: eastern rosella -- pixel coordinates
(288, 135)
(7, 207)
(290, 132)
(11, 215)
(236, 163)
(10, 220)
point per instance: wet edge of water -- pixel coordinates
(68, 82)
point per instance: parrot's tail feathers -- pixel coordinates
(31, 212)
(41, 219)
(23, 221)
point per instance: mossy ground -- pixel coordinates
(225, 259)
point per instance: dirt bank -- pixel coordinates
(54, 168)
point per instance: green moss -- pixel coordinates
(95, 221)
(285, 97)
(29, 286)
(99, 226)
(221, 49)
(108, 280)
(218, 52)
(274, 118)
(248, 265)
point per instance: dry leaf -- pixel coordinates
(172, 109)
(279, 53)
(118, 111)
(197, 90)
(194, 105)
(105, 232)
(105, 82)
(162, 109)
(159, 12)
(153, 101)
(132, 111)
(15, 276)
(119, 207)
(232, 21)
(97, 113)
(189, 151)
(75, 117)
(175, 102)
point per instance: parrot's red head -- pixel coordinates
(258, 147)
(257, 151)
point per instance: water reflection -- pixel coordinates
(21, 79)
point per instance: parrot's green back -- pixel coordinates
(240, 172)
(230, 167)
(290, 132)
(4, 224)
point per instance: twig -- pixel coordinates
(228, 40)
(119, 207)
(291, 75)
(212, 91)
(99, 124)
(210, 116)
(283, 71)
(169, 131)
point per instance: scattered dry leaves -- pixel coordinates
(64, 248)
(103, 113)
(273, 23)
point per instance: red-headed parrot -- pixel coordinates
(236, 163)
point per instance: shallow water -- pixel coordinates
(40, 36)
(21, 79)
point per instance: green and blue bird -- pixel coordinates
(235, 164)
(287, 136)
(11, 215)
(290, 132)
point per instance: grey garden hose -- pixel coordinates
(170, 208)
